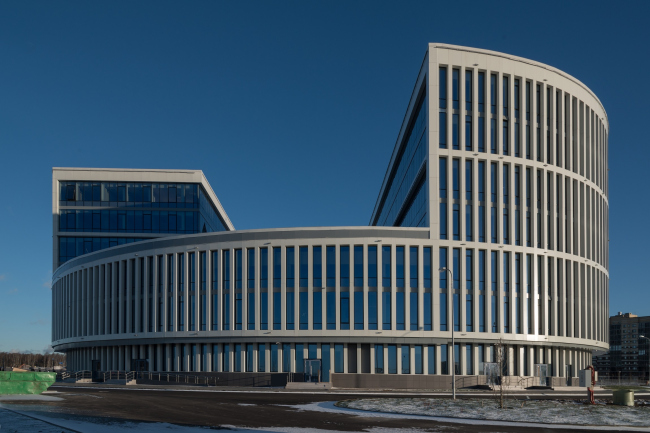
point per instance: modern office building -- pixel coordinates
(498, 174)
(629, 348)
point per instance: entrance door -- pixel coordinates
(95, 369)
(312, 370)
(541, 372)
(568, 373)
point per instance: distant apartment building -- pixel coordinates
(629, 347)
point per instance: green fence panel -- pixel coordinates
(25, 382)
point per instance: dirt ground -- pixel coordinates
(239, 408)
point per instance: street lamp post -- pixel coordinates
(647, 352)
(453, 345)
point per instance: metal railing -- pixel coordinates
(616, 380)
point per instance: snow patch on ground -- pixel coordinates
(530, 411)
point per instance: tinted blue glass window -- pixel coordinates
(431, 359)
(386, 266)
(331, 310)
(358, 265)
(372, 266)
(304, 310)
(338, 358)
(264, 268)
(290, 307)
(426, 267)
(386, 310)
(274, 357)
(392, 359)
(443, 196)
(358, 310)
(413, 267)
(379, 358)
(300, 358)
(317, 313)
(286, 357)
(277, 267)
(399, 266)
(406, 359)
(238, 311)
(442, 87)
(251, 267)
(264, 310)
(331, 266)
(325, 362)
(372, 311)
(414, 311)
(400, 313)
(304, 267)
(238, 269)
(344, 261)
(419, 360)
(291, 271)
(318, 266)
(345, 310)
(427, 311)
(455, 88)
(403, 179)
(277, 310)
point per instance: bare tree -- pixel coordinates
(501, 359)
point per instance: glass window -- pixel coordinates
(406, 359)
(277, 310)
(469, 359)
(261, 357)
(286, 357)
(431, 359)
(413, 306)
(290, 310)
(426, 267)
(277, 267)
(317, 310)
(338, 358)
(325, 362)
(386, 310)
(274, 358)
(358, 310)
(345, 310)
(386, 266)
(413, 267)
(399, 311)
(379, 358)
(443, 197)
(344, 266)
(399, 266)
(331, 266)
(264, 268)
(372, 311)
(372, 266)
(318, 266)
(304, 310)
(392, 359)
(291, 272)
(331, 310)
(304, 267)
(358, 265)
(251, 267)
(300, 358)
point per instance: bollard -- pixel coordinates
(624, 397)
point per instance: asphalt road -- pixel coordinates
(238, 408)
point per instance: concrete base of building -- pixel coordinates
(309, 385)
(419, 381)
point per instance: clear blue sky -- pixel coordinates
(290, 108)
